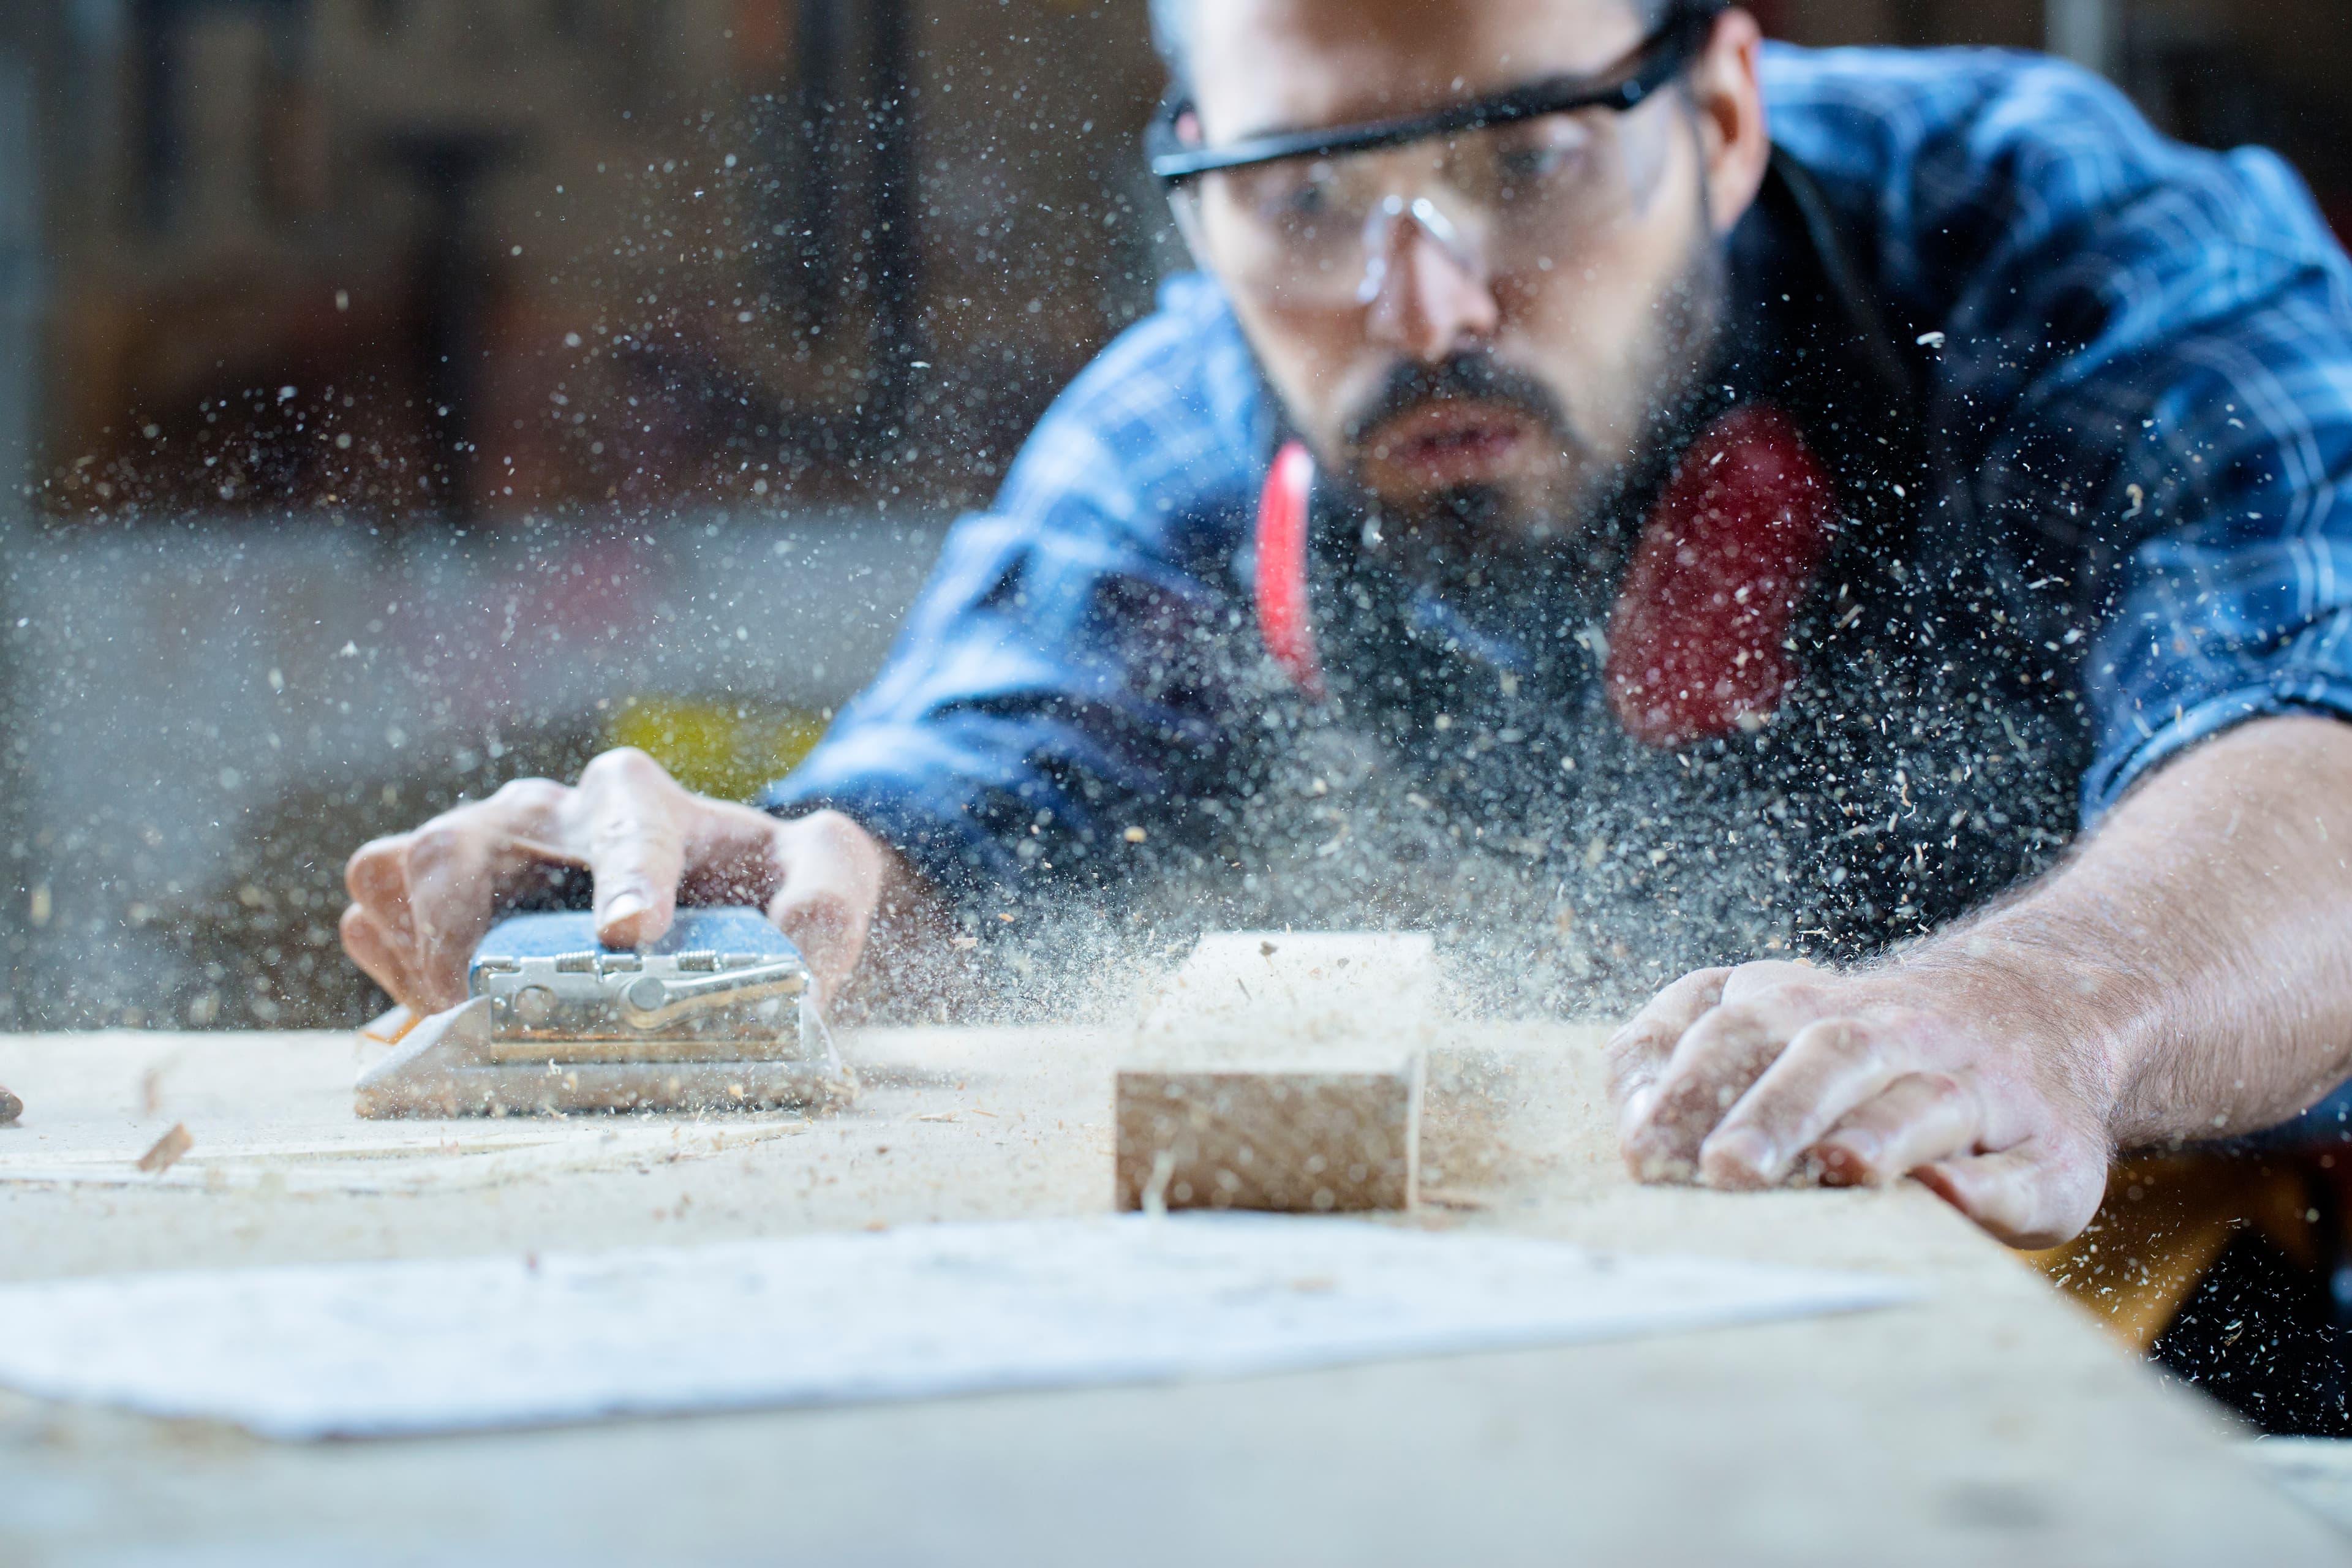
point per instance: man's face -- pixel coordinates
(1485, 368)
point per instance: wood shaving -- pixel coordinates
(167, 1150)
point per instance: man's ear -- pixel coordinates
(1734, 141)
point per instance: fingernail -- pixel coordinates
(1658, 1166)
(1858, 1147)
(624, 906)
(1743, 1148)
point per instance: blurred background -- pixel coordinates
(412, 393)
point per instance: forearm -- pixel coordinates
(2196, 949)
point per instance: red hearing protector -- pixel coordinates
(1284, 619)
(1728, 552)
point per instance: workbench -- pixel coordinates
(1992, 1421)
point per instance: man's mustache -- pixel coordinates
(1461, 378)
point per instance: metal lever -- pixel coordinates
(654, 1001)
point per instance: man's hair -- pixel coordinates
(1172, 34)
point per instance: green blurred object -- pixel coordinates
(729, 751)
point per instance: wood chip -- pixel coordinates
(167, 1150)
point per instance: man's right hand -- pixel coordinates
(422, 900)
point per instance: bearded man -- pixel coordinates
(1875, 508)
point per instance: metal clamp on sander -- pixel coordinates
(719, 1015)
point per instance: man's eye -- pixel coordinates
(1521, 165)
(1307, 201)
(1302, 198)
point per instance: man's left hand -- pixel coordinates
(1959, 1073)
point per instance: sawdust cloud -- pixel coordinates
(1566, 871)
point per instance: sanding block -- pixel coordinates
(719, 1015)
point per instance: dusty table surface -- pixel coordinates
(1992, 1421)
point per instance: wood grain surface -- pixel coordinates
(1992, 1422)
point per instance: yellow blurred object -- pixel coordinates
(729, 751)
(2165, 1222)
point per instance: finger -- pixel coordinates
(1716, 1061)
(548, 855)
(831, 883)
(636, 845)
(827, 926)
(381, 959)
(376, 876)
(1828, 1068)
(452, 866)
(1637, 1052)
(1918, 1119)
(429, 895)
(733, 853)
(1999, 1191)
(2026, 1196)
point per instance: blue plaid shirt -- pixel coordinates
(2145, 364)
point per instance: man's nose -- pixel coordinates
(1427, 298)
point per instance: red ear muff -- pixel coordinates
(1728, 554)
(1284, 618)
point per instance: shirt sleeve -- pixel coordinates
(2140, 381)
(1044, 696)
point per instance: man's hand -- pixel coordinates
(2186, 975)
(422, 900)
(1954, 1072)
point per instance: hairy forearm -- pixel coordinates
(2195, 955)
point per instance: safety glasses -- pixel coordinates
(1528, 178)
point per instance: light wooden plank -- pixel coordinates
(1992, 1422)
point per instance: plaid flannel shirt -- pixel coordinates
(2146, 368)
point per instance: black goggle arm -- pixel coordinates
(1658, 60)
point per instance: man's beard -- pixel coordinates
(1480, 547)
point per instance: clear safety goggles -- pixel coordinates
(1525, 180)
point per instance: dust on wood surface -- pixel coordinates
(1990, 1415)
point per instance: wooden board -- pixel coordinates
(1992, 1423)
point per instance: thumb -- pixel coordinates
(833, 872)
(827, 926)
(2023, 1195)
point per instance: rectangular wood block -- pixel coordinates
(1282, 1072)
(1293, 1141)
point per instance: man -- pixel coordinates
(1773, 498)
